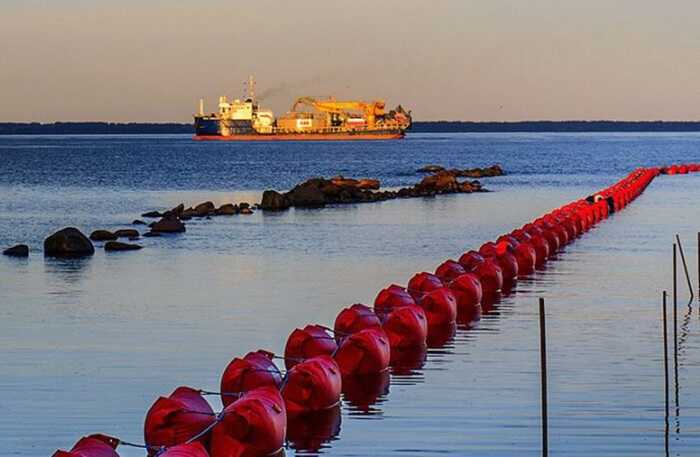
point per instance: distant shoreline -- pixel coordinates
(102, 128)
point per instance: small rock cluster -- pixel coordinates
(71, 242)
(488, 172)
(318, 192)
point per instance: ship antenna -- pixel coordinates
(251, 87)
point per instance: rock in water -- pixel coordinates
(151, 234)
(152, 214)
(203, 209)
(68, 242)
(229, 209)
(168, 225)
(246, 211)
(138, 222)
(274, 201)
(21, 250)
(431, 169)
(127, 233)
(102, 235)
(119, 246)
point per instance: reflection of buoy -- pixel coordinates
(440, 335)
(422, 283)
(353, 319)
(92, 446)
(253, 425)
(361, 392)
(364, 352)
(405, 360)
(449, 270)
(440, 307)
(308, 342)
(175, 419)
(392, 297)
(312, 385)
(406, 327)
(254, 370)
(308, 433)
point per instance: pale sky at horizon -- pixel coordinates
(152, 60)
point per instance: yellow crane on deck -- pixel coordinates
(344, 108)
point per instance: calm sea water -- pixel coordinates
(86, 346)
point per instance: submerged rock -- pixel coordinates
(152, 214)
(68, 242)
(152, 234)
(119, 246)
(20, 250)
(138, 222)
(127, 233)
(102, 235)
(431, 169)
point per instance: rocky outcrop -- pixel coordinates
(152, 214)
(103, 235)
(20, 250)
(318, 192)
(493, 170)
(138, 222)
(168, 224)
(68, 242)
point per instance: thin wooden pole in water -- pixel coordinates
(666, 415)
(675, 322)
(543, 376)
(665, 330)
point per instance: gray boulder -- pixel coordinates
(68, 242)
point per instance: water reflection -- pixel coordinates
(362, 394)
(309, 434)
(407, 362)
(66, 275)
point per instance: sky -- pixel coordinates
(496, 60)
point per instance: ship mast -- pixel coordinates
(251, 88)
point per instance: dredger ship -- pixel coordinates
(309, 119)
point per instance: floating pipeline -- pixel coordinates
(394, 333)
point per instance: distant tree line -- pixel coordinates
(102, 128)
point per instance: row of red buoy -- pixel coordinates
(259, 399)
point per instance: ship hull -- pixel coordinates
(340, 136)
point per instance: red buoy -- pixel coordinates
(175, 419)
(526, 257)
(406, 327)
(353, 319)
(491, 276)
(254, 370)
(392, 297)
(92, 446)
(471, 260)
(422, 283)
(440, 307)
(308, 342)
(364, 352)
(185, 450)
(467, 291)
(449, 270)
(253, 425)
(312, 385)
